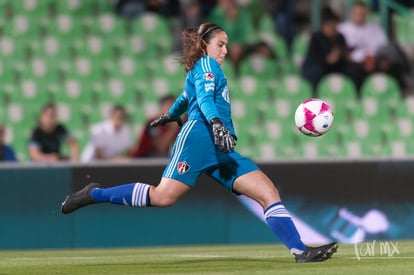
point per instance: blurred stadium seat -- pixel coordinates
(83, 57)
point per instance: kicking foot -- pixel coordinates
(78, 199)
(317, 254)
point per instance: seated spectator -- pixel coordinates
(238, 25)
(328, 53)
(370, 46)
(109, 140)
(191, 16)
(6, 151)
(48, 136)
(157, 141)
(362, 37)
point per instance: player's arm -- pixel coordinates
(37, 155)
(205, 89)
(176, 110)
(73, 148)
(180, 106)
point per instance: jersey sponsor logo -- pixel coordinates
(225, 95)
(209, 87)
(183, 167)
(209, 76)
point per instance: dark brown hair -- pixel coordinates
(195, 43)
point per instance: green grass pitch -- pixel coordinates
(367, 258)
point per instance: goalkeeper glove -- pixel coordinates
(223, 139)
(164, 119)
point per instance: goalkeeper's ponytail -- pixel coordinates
(194, 43)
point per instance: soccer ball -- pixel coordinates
(314, 117)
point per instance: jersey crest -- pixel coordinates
(209, 76)
(183, 167)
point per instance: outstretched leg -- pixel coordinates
(260, 188)
(132, 194)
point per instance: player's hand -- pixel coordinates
(223, 139)
(164, 119)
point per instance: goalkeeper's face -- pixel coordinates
(217, 47)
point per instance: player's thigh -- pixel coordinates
(167, 192)
(257, 186)
(193, 153)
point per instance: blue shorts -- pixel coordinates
(194, 153)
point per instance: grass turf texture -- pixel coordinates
(246, 259)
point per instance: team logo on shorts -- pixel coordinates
(183, 167)
(209, 76)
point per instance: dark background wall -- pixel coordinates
(30, 216)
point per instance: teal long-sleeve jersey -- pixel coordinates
(206, 95)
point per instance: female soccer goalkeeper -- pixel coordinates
(205, 144)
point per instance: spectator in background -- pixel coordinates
(283, 12)
(48, 136)
(362, 37)
(191, 16)
(129, 9)
(157, 141)
(6, 151)
(370, 46)
(109, 140)
(328, 53)
(238, 25)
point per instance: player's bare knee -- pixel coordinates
(166, 202)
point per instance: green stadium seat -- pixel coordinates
(293, 87)
(29, 90)
(14, 49)
(332, 144)
(8, 75)
(376, 111)
(338, 88)
(156, 31)
(40, 70)
(228, 70)
(249, 139)
(267, 33)
(370, 137)
(262, 68)
(73, 116)
(51, 48)
(115, 90)
(68, 7)
(84, 68)
(38, 8)
(405, 108)
(159, 87)
(401, 135)
(18, 115)
(172, 71)
(95, 47)
(108, 25)
(63, 26)
(20, 141)
(299, 49)
(136, 46)
(251, 88)
(283, 108)
(74, 91)
(289, 146)
(404, 26)
(23, 27)
(382, 87)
